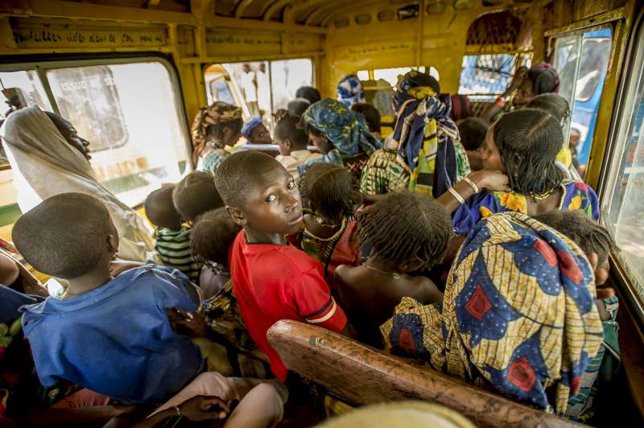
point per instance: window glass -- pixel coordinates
(128, 113)
(486, 76)
(582, 62)
(260, 88)
(624, 201)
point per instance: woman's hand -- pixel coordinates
(203, 408)
(191, 324)
(494, 181)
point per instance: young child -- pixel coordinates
(407, 232)
(110, 335)
(195, 194)
(329, 229)
(292, 141)
(271, 279)
(255, 132)
(172, 237)
(473, 131)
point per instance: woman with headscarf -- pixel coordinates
(430, 157)
(527, 83)
(48, 157)
(340, 134)
(518, 314)
(521, 146)
(215, 130)
(350, 91)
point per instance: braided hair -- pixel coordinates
(212, 235)
(330, 190)
(403, 226)
(556, 105)
(529, 141)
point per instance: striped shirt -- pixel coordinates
(173, 247)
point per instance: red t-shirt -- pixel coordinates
(276, 282)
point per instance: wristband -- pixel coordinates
(472, 184)
(500, 102)
(456, 195)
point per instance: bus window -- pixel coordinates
(582, 61)
(260, 88)
(484, 77)
(623, 201)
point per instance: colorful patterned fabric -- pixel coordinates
(350, 91)
(384, 172)
(428, 140)
(518, 313)
(216, 113)
(211, 161)
(576, 196)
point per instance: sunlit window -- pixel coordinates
(485, 76)
(623, 203)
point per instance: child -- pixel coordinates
(292, 141)
(407, 232)
(271, 279)
(195, 194)
(109, 335)
(172, 238)
(473, 131)
(329, 229)
(255, 132)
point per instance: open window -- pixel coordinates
(130, 112)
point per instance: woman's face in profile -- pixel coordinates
(70, 134)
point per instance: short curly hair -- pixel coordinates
(212, 235)
(195, 194)
(64, 235)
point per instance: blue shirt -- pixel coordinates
(117, 339)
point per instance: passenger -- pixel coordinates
(573, 143)
(518, 314)
(350, 90)
(48, 158)
(16, 276)
(461, 108)
(196, 194)
(557, 107)
(523, 146)
(308, 92)
(292, 141)
(408, 233)
(134, 357)
(340, 134)
(430, 156)
(371, 117)
(473, 131)
(597, 244)
(330, 228)
(271, 279)
(527, 83)
(215, 130)
(255, 132)
(172, 236)
(298, 106)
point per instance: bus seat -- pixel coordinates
(362, 375)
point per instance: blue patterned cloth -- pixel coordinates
(249, 126)
(350, 91)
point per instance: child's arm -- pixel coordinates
(310, 295)
(199, 408)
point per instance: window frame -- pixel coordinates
(611, 162)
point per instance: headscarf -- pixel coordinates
(518, 312)
(44, 164)
(249, 126)
(215, 114)
(346, 129)
(350, 90)
(545, 78)
(427, 138)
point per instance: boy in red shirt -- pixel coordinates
(272, 280)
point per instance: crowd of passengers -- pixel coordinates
(464, 242)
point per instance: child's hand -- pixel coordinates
(203, 408)
(192, 324)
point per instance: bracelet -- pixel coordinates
(472, 184)
(178, 410)
(456, 195)
(500, 102)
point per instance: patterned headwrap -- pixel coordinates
(350, 91)
(427, 138)
(216, 113)
(518, 312)
(344, 128)
(249, 126)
